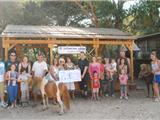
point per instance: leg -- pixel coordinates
(60, 103)
(148, 90)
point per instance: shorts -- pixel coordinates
(1, 88)
(95, 90)
(157, 78)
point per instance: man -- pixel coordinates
(12, 60)
(83, 65)
(2, 73)
(39, 70)
(40, 67)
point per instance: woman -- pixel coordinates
(12, 86)
(122, 65)
(24, 66)
(70, 66)
(107, 75)
(24, 70)
(94, 67)
(102, 81)
(155, 64)
(54, 70)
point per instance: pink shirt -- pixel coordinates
(94, 67)
(123, 79)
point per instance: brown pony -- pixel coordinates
(54, 90)
(146, 75)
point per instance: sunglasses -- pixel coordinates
(13, 55)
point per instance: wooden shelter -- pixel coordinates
(18, 35)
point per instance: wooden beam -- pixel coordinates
(51, 53)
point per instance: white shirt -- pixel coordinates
(2, 71)
(114, 66)
(39, 68)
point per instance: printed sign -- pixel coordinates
(71, 49)
(67, 76)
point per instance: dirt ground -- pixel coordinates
(137, 107)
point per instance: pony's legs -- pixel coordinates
(60, 101)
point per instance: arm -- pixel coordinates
(19, 68)
(85, 71)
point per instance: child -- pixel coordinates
(12, 87)
(123, 78)
(95, 86)
(113, 68)
(24, 79)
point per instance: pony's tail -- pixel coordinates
(66, 97)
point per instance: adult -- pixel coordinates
(54, 70)
(94, 69)
(12, 85)
(122, 65)
(24, 66)
(2, 73)
(83, 65)
(24, 70)
(102, 79)
(70, 85)
(155, 64)
(127, 60)
(107, 74)
(39, 70)
(12, 60)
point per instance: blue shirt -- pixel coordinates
(2, 71)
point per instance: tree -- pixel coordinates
(143, 18)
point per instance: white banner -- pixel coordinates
(71, 49)
(67, 76)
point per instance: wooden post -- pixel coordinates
(6, 47)
(132, 64)
(51, 53)
(96, 46)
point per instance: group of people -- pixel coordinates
(102, 74)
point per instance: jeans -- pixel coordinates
(123, 88)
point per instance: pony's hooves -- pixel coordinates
(60, 113)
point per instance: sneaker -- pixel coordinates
(121, 97)
(106, 95)
(126, 97)
(113, 96)
(3, 105)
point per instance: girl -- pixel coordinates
(12, 87)
(95, 86)
(70, 86)
(123, 78)
(24, 71)
(156, 71)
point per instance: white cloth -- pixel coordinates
(114, 66)
(39, 68)
(2, 71)
(24, 83)
(70, 86)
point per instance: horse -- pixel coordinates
(53, 89)
(147, 75)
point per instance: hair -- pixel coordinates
(154, 53)
(13, 52)
(125, 61)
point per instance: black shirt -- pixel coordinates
(82, 64)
